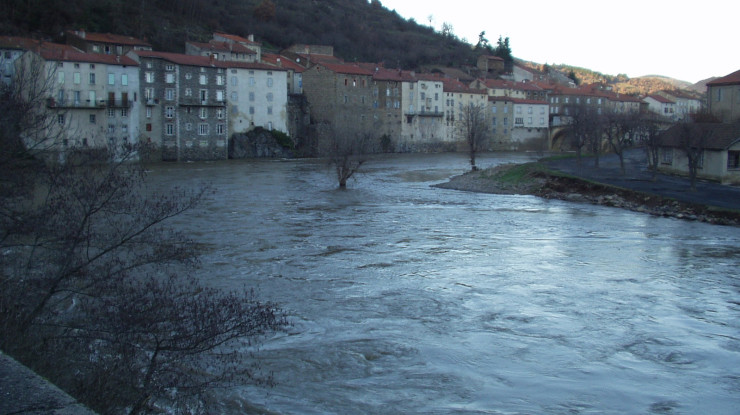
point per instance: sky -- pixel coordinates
(687, 40)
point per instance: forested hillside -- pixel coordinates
(358, 29)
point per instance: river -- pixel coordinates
(404, 298)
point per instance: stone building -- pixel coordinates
(340, 99)
(723, 97)
(423, 128)
(184, 112)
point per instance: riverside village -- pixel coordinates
(228, 98)
(172, 242)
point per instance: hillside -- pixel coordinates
(359, 30)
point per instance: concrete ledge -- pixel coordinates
(22, 391)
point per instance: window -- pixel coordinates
(235, 96)
(220, 129)
(149, 127)
(60, 77)
(203, 80)
(77, 98)
(149, 77)
(203, 129)
(169, 129)
(149, 93)
(518, 121)
(124, 128)
(220, 113)
(666, 156)
(251, 96)
(169, 112)
(169, 78)
(60, 119)
(189, 126)
(92, 118)
(251, 110)
(204, 95)
(76, 77)
(111, 112)
(234, 80)
(92, 66)
(169, 67)
(219, 79)
(169, 94)
(220, 96)
(733, 160)
(111, 79)
(188, 76)
(269, 97)
(203, 112)
(269, 110)
(149, 112)
(188, 92)
(124, 112)
(111, 128)
(251, 81)
(269, 82)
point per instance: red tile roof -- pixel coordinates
(235, 38)
(661, 99)
(731, 79)
(347, 69)
(181, 59)
(717, 136)
(24, 43)
(65, 53)
(217, 46)
(282, 61)
(251, 65)
(108, 38)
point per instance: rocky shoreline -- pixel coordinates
(542, 183)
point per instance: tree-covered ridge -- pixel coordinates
(359, 30)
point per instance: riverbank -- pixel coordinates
(539, 180)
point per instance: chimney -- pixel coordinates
(118, 58)
(250, 38)
(212, 59)
(279, 62)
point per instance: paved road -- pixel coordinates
(637, 177)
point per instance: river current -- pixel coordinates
(404, 298)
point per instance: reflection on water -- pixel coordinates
(410, 299)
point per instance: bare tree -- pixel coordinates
(620, 131)
(472, 128)
(93, 278)
(648, 134)
(347, 148)
(694, 138)
(582, 128)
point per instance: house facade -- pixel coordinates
(720, 150)
(184, 112)
(723, 97)
(662, 106)
(257, 95)
(93, 98)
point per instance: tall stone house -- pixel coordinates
(423, 128)
(340, 98)
(247, 42)
(94, 98)
(459, 96)
(723, 97)
(184, 109)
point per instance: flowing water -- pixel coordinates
(405, 298)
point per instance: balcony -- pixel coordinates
(425, 113)
(119, 103)
(70, 103)
(197, 102)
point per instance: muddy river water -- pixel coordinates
(404, 298)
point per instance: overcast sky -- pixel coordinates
(686, 40)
